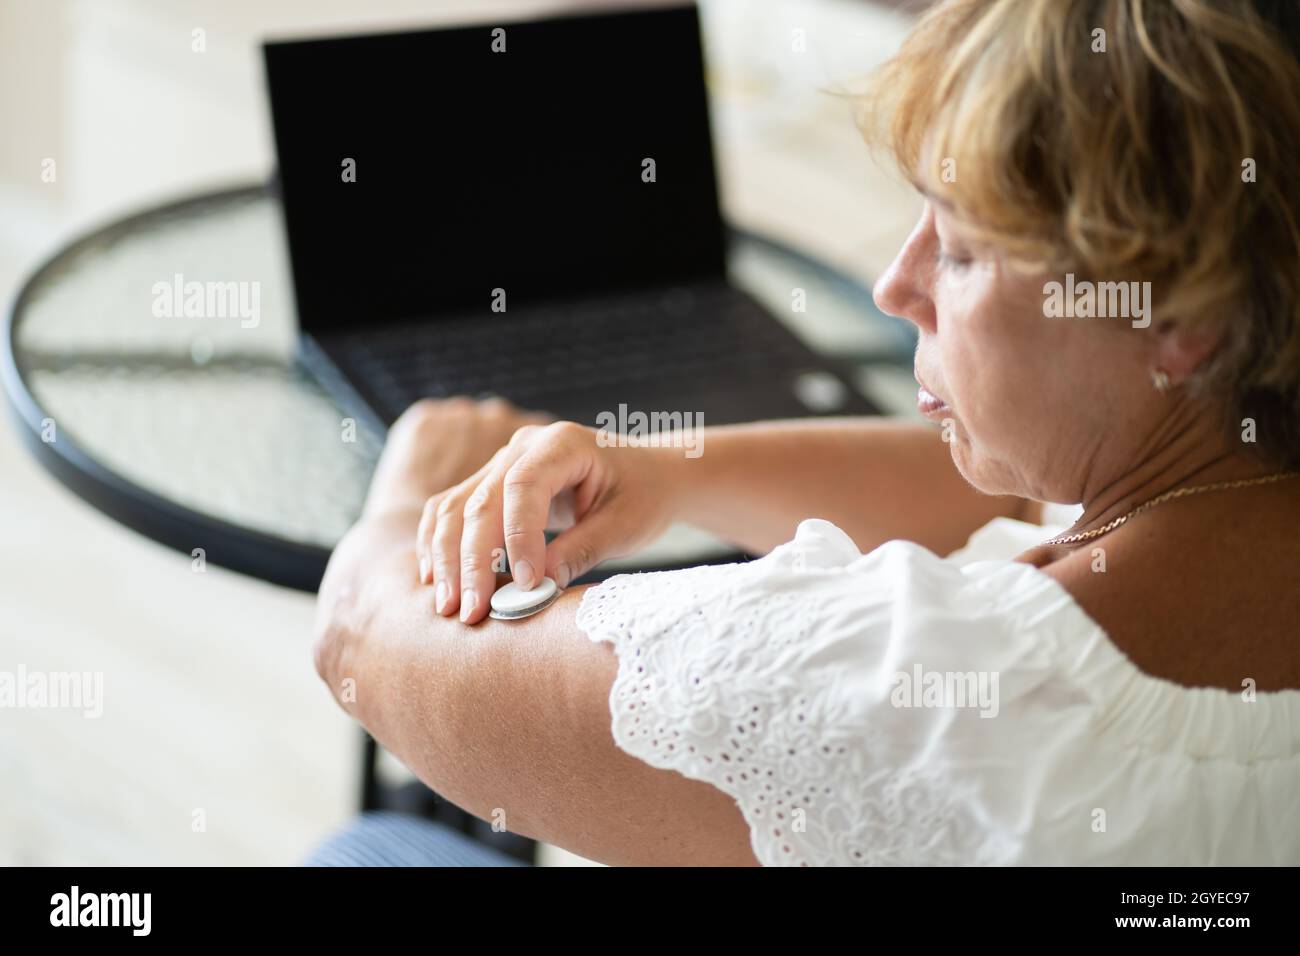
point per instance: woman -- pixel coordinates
(1122, 689)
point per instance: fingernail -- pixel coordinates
(468, 603)
(424, 570)
(562, 574)
(524, 575)
(441, 597)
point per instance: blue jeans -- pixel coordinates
(388, 838)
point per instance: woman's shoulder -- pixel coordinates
(817, 682)
(990, 606)
(820, 591)
(899, 707)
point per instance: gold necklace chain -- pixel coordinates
(1167, 496)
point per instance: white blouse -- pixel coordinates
(901, 708)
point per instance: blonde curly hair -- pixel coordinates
(1127, 139)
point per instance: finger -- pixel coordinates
(444, 550)
(531, 485)
(480, 536)
(444, 540)
(598, 536)
(424, 538)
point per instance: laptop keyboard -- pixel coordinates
(681, 334)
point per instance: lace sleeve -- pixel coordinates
(771, 681)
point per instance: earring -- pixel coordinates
(1160, 379)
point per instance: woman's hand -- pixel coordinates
(437, 443)
(622, 499)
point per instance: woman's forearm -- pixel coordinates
(876, 479)
(509, 720)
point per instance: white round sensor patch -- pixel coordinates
(511, 602)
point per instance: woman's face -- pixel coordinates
(1034, 406)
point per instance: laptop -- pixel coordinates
(524, 209)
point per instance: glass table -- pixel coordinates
(202, 433)
(207, 436)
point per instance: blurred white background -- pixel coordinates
(213, 702)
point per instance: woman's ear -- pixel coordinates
(1180, 351)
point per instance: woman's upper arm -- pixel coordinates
(510, 720)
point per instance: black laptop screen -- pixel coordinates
(476, 170)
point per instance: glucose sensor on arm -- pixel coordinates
(511, 602)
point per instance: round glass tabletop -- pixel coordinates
(205, 433)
